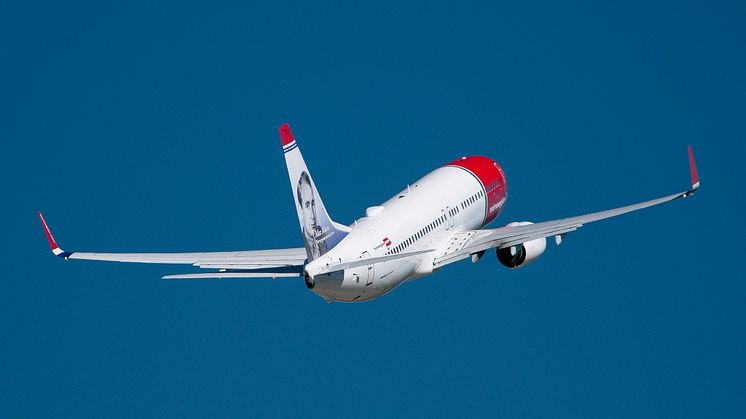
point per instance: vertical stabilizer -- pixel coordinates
(320, 233)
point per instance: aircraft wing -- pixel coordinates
(466, 243)
(272, 263)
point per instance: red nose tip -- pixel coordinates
(491, 177)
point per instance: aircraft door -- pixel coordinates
(448, 218)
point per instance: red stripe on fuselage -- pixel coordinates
(492, 180)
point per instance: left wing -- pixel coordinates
(466, 243)
(273, 263)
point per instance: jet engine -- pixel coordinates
(521, 254)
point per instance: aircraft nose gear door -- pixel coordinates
(370, 271)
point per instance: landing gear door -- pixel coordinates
(370, 271)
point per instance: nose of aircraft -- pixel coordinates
(486, 170)
(491, 177)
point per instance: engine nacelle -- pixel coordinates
(521, 254)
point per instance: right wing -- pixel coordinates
(273, 263)
(463, 244)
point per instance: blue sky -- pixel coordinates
(153, 127)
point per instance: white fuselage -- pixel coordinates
(421, 217)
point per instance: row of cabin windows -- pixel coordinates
(418, 235)
(438, 221)
(472, 199)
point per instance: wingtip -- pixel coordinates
(693, 170)
(50, 238)
(286, 135)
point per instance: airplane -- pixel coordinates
(436, 221)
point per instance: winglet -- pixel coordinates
(693, 171)
(52, 243)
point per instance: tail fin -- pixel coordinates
(320, 233)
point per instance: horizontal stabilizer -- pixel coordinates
(233, 275)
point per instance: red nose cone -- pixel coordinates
(492, 179)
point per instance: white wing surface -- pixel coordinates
(466, 243)
(273, 263)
